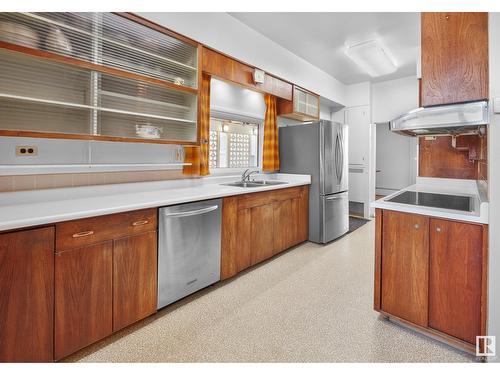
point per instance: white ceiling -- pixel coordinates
(321, 38)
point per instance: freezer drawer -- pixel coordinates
(335, 216)
(189, 249)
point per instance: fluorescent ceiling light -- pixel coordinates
(372, 58)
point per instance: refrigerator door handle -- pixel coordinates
(337, 157)
(341, 166)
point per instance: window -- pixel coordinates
(233, 144)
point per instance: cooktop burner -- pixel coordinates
(451, 202)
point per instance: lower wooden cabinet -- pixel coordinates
(456, 271)
(257, 226)
(431, 273)
(105, 286)
(405, 266)
(261, 233)
(84, 297)
(27, 295)
(134, 279)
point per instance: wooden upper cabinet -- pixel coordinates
(102, 76)
(454, 57)
(303, 107)
(228, 69)
(405, 266)
(455, 280)
(27, 295)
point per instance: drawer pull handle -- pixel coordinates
(416, 226)
(438, 229)
(83, 234)
(140, 222)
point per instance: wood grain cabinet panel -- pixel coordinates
(434, 277)
(83, 297)
(455, 278)
(134, 279)
(244, 244)
(283, 225)
(27, 295)
(82, 232)
(229, 69)
(256, 226)
(302, 214)
(229, 238)
(405, 266)
(261, 233)
(454, 57)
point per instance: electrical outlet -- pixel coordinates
(26, 150)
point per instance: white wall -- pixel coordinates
(494, 185)
(228, 35)
(393, 98)
(358, 94)
(76, 156)
(396, 158)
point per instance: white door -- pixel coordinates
(358, 120)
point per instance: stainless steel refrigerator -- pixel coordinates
(319, 149)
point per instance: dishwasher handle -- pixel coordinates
(192, 213)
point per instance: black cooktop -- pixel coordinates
(451, 202)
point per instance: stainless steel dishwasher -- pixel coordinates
(189, 249)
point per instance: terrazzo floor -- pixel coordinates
(311, 304)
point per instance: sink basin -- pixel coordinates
(270, 182)
(243, 184)
(253, 184)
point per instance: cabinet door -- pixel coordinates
(261, 233)
(244, 238)
(284, 225)
(27, 295)
(83, 297)
(455, 278)
(454, 57)
(134, 278)
(300, 209)
(312, 105)
(299, 101)
(405, 266)
(358, 120)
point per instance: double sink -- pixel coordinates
(255, 183)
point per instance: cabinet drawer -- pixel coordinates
(266, 197)
(77, 233)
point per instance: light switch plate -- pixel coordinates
(496, 105)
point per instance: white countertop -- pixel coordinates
(38, 207)
(471, 188)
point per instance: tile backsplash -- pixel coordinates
(70, 153)
(48, 181)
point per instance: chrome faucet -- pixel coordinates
(245, 177)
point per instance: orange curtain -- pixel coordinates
(192, 155)
(198, 155)
(270, 155)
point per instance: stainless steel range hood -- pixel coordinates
(446, 119)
